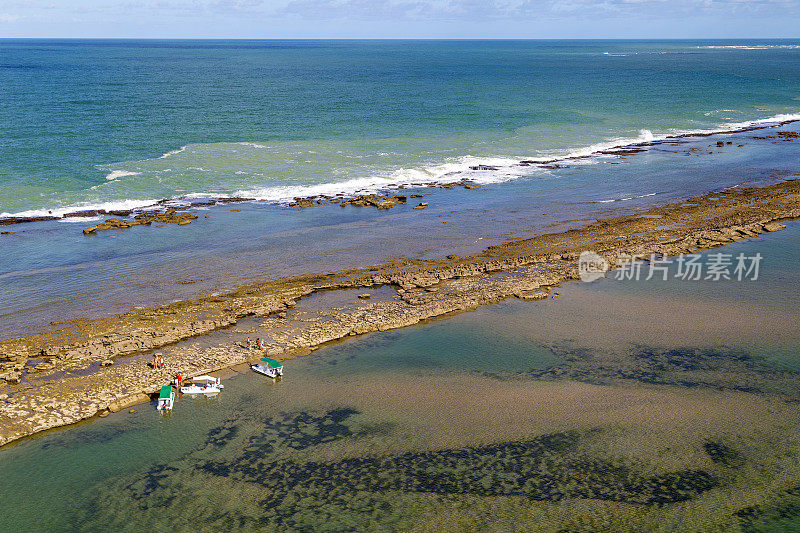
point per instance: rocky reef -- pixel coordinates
(63, 376)
(170, 216)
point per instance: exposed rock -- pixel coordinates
(171, 216)
(11, 377)
(773, 226)
(7, 232)
(483, 167)
(538, 295)
(523, 267)
(124, 403)
(86, 214)
(422, 205)
(19, 220)
(302, 203)
(380, 202)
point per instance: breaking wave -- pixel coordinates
(478, 170)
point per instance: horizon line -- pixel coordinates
(399, 38)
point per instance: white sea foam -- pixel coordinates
(120, 174)
(173, 152)
(121, 205)
(762, 122)
(751, 47)
(443, 173)
(628, 198)
(646, 136)
(454, 170)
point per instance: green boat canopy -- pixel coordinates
(272, 362)
(166, 392)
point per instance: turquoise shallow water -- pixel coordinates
(455, 386)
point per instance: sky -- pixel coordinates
(445, 19)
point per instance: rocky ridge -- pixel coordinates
(62, 377)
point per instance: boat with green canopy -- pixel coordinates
(269, 367)
(166, 398)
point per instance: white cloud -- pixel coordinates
(9, 17)
(512, 9)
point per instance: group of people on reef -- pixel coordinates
(259, 344)
(158, 361)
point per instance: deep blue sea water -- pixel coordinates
(120, 124)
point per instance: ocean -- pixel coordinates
(611, 406)
(122, 123)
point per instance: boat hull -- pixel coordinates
(164, 405)
(193, 389)
(267, 370)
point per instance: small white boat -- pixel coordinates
(269, 367)
(166, 398)
(202, 385)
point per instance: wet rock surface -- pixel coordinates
(170, 216)
(68, 383)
